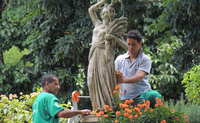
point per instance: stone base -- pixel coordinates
(89, 119)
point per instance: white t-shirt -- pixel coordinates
(128, 69)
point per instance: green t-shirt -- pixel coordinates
(45, 108)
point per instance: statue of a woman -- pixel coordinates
(101, 70)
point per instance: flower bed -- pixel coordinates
(141, 113)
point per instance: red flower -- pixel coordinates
(176, 118)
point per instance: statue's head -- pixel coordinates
(109, 10)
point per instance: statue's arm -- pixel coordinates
(120, 41)
(92, 12)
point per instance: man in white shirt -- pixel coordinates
(135, 67)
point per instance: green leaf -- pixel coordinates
(149, 6)
(2, 33)
(4, 23)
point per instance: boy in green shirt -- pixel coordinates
(46, 108)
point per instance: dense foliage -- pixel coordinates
(191, 81)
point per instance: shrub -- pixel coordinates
(19, 110)
(13, 56)
(191, 81)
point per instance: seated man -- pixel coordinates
(46, 108)
(135, 68)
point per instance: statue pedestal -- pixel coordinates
(89, 119)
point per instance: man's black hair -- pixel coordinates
(49, 77)
(134, 34)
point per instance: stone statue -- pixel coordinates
(101, 70)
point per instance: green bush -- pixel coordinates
(19, 110)
(13, 56)
(191, 81)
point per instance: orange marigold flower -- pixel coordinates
(114, 91)
(105, 115)
(116, 121)
(127, 102)
(163, 121)
(156, 105)
(180, 102)
(117, 87)
(172, 110)
(126, 106)
(165, 106)
(144, 105)
(151, 110)
(158, 101)
(140, 113)
(106, 106)
(176, 118)
(145, 109)
(185, 116)
(125, 114)
(136, 109)
(128, 110)
(144, 100)
(98, 114)
(131, 101)
(148, 103)
(135, 116)
(121, 93)
(156, 98)
(139, 106)
(121, 105)
(109, 109)
(130, 116)
(101, 112)
(118, 113)
(161, 104)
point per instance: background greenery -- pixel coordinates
(56, 36)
